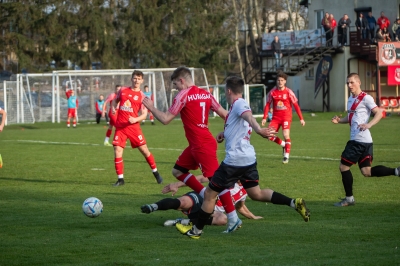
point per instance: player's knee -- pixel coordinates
(366, 173)
(176, 173)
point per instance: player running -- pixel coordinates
(190, 204)
(111, 117)
(240, 162)
(359, 149)
(72, 108)
(194, 105)
(281, 99)
(127, 124)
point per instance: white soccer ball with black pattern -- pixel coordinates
(92, 207)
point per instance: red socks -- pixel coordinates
(288, 144)
(226, 199)
(191, 181)
(119, 166)
(152, 163)
(108, 133)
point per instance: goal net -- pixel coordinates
(42, 96)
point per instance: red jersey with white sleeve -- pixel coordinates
(281, 102)
(238, 193)
(130, 103)
(194, 105)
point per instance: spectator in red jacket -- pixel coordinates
(383, 22)
(333, 24)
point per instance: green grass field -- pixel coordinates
(50, 170)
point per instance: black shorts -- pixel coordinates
(226, 176)
(197, 202)
(357, 152)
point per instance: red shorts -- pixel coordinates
(278, 122)
(72, 112)
(133, 133)
(205, 159)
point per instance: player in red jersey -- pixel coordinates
(194, 105)
(112, 117)
(127, 126)
(281, 99)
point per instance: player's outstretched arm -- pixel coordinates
(222, 112)
(164, 118)
(243, 210)
(263, 132)
(338, 119)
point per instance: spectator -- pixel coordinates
(276, 49)
(396, 29)
(362, 25)
(378, 37)
(326, 24)
(99, 109)
(343, 25)
(371, 25)
(333, 25)
(383, 22)
(386, 35)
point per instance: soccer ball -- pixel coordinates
(92, 207)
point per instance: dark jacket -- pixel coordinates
(343, 22)
(363, 24)
(276, 47)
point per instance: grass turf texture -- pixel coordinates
(50, 170)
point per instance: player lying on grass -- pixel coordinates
(190, 204)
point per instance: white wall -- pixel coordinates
(338, 89)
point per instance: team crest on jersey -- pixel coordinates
(284, 96)
(127, 106)
(280, 105)
(136, 97)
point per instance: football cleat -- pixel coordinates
(120, 182)
(1, 162)
(183, 228)
(158, 177)
(233, 227)
(107, 144)
(301, 208)
(172, 222)
(147, 208)
(344, 203)
(397, 171)
(192, 234)
(285, 160)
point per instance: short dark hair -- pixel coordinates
(281, 74)
(145, 86)
(116, 86)
(181, 72)
(235, 84)
(137, 73)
